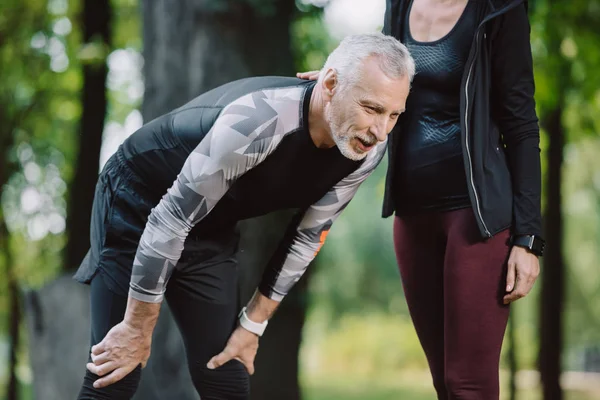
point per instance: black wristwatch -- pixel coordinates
(533, 243)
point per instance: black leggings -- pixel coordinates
(204, 305)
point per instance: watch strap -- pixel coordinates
(251, 326)
(534, 243)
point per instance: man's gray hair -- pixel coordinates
(394, 59)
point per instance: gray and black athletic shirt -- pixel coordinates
(236, 152)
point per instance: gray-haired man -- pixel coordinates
(168, 201)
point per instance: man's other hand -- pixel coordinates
(241, 346)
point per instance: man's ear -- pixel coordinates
(330, 83)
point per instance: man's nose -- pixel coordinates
(380, 129)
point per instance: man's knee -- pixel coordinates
(228, 382)
(121, 390)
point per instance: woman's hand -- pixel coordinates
(310, 75)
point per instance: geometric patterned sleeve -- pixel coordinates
(246, 132)
(306, 235)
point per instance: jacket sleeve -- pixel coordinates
(387, 18)
(306, 234)
(513, 107)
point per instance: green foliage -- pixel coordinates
(358, 322)
(566, 56)
(39, 109)
(582, 239)
(41, 55)
(127, 27)
(357, 269)
(359, 344)
(311, 42)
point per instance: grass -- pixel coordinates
(328, 393)
(332, 387)
(410, 385)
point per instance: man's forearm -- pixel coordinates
(261, 308)
(141, 315)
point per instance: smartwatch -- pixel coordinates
(533, 243)
(251, 326)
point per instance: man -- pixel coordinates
(242, 150)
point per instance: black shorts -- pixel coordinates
(122, 204)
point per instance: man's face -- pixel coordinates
(364, 114)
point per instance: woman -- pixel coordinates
(464, 182)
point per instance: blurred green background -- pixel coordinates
(78, 76)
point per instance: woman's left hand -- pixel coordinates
(523, 270)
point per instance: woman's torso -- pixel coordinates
(430, 174)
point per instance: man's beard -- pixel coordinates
(342, 135)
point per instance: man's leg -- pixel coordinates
(203, 300)
(108, 310)
(419, 244)
(475, 318)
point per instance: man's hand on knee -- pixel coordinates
(241, 346)
(120, 352)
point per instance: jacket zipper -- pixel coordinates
(472, 180)
(478, 215)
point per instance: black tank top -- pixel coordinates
(430, 172)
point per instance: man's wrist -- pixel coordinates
(250, 325)
(257, 314)
(140, 315)
(261, 308)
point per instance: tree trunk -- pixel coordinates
(64, 303)
(96, 26)
(13, 334)
(191, 46)
(14, 314)
(58, 322)
(553, 273)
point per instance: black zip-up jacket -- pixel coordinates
(500, 133)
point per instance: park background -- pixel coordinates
(78, 76)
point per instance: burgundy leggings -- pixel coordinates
(454, 283)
